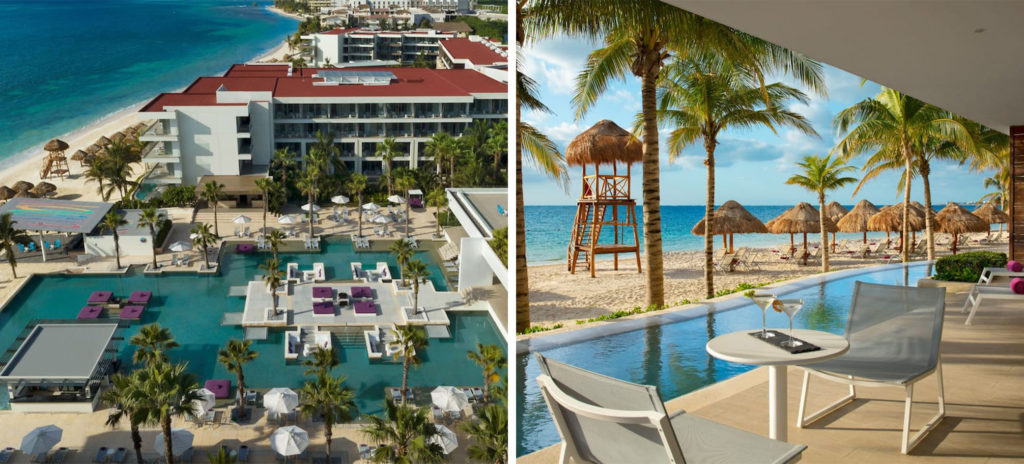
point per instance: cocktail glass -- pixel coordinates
(764, 300)
(791, 307)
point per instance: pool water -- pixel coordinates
(672, 356)
(192, 307)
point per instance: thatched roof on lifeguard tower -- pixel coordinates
(604, 143)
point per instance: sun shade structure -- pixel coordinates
(22, 186)
(55, 215)
(289, 441)
(60, 353)
(604, 197)
(43, 189)
(801, 219)
(992, 214)
(731, 218)
(955, 219)
(856, 220)
(280, 400)
(6, 193)
(55, 145)
(41, 439)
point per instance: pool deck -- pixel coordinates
(983, 368)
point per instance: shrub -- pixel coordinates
(161, 233)
(176, 196)
(967, 267)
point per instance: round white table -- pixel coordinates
(740, 347)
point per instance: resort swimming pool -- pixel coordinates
(672, 356)
(192, 307)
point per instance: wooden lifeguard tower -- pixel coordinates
(54, 159)
(605, 200)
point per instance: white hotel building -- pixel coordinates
(231, 125)
(357, 45)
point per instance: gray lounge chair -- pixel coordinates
(601, 419)
(894, 335)
(6, 454)
(119, 456)
(101, 455)
(243, 453)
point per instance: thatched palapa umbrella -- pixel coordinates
(802, 218)
(55, 145)
(92, 149)
(43, 189)
(955, 219)
(22, 186)
(6, 193)
(992, 214)
(890, 219)
(835, 212)
(102, 141)
(25, 194)
(857, 219)
(731, 218)
(117, 137)
(80, 157)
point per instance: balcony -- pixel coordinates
(159, 132)
(164, 174)
(158, 153)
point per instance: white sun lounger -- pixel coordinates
(980, 293)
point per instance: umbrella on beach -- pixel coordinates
(992, 214)
(445, 438)
(241, 219)
(287, 219)
(310, 206)
(955, 219)
(22, 186)
(92, 149)
(890, 219)
(382, 219)
(801, 219)
(180, 246)
(79, 156)
(102, 141)
(371, 207)
(117, 137)
(857, 219)
(26, 194)
(731, 218)
(280, 400)
(181, 440)
(289, 440)
(43, 189)
(396, 199)
(835, 212)
(449, 398)
(339, 199)
(207, 399)
(41, 439)
(6, 193)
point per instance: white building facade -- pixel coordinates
(231, 125)
(355, 45)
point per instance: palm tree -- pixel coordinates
(111, 222)
(211, 193)
(820, 175)
(204, 237)
(152, 219)
(285, 161)
(152, 341)
(265, 184)
(705, 95)
(893, 126)
(273, 277)
(497, 144)
(402, 249)
(633, 45)
(9, 236)
(321, 362)
(387, 150)
(490, 435)
(121, 398)
(411, 341)
(329, 398)
(993, 153)
(234, 356)
(954, 141)
(355, 186)
(492, 360)
(437, 198)
(443, 148)
(408, 429)
(307, 185)
(166, 392)
(406, 182)
(275, 239)
(416, 271)
(323, 151)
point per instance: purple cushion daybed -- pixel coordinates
(365, 307)
(323, 292)
(100, 297)
(90, 312)
(323, 307)
(220, 388)
(362, 292)
(244, 248)
(140, 297)
(132, 312)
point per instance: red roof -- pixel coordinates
(339, 31)
(239, 84)
(183, 99)
(474, 51)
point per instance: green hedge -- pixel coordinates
(967, 267)
(161, 233)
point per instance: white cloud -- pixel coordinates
(563, 132)
(556, 62)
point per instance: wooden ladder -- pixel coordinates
(586, 231)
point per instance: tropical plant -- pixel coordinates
(329, 398)
(387, 150)
(438, 199)
(406, 182)
(123, 405)
(152, 341)
(321, 361)
(497, 144)
(110, 223)
(701, 97)
(993, 153)
(273, 277)
(402, 250)
(492, 360)
(152, 219)
(285, 162)
(212, 192)
(443, 148)
(275, 239)
(416, 271)
(410, 341)
(266, 185)
(895, 127)
(355, 186)
(489, 434)
(409, 430)
(234, 356)
(632, 45)
(820, 175)
(204, 237)
(221, 456)
(9, 236)
(307, 185)
(166, 392)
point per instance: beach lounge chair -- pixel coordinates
(980, 292)
(41, 458)
(236, 234)
(602, 419)
(6, 454)
(21, 248)
(59, 456)
(31, 246)
(57, 243)
(247, 232)
(101, 455)
(894, 334)
(396, 395)
(119, 456)
(243, 453)
(478, 393)
(720, 260)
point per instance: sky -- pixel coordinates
(751, 165)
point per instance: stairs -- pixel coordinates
(349, 337)
(586, 231)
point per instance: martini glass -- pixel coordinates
(764, 300)
(791, 307)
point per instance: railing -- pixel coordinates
(605, 187)
(158, 129)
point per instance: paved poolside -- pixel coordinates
(983, 372)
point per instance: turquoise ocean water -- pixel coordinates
(67, 63)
